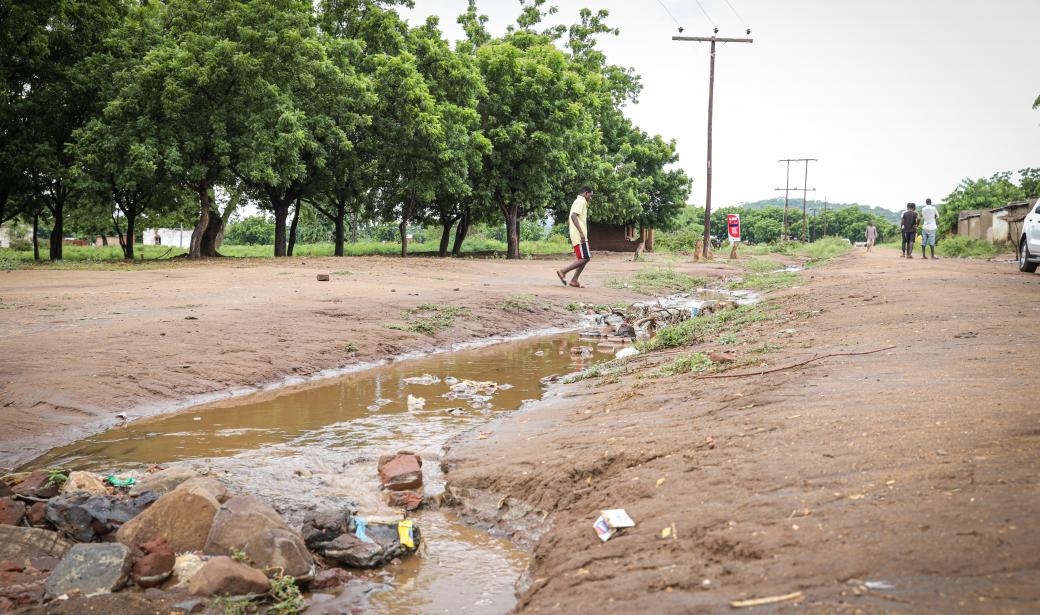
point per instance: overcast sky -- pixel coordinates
(898, 99)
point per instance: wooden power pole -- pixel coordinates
(711, 103)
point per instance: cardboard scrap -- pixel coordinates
(611, 522)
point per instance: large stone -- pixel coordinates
(155, 565)
(163, 481)
(37, 485)
(98, 568)
(325, 527)
(214, 486)
(408, 500)
(21, 586)
(183, 517)
(5, 489)
(37, 515)
(222, 576)
(84, 517)
(381, 547)
(401, 471)
(85, 482)
(239, 521)
(21, 543)
(282, 549)
(12, 511)
(331, 578)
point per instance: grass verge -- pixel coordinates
(965, 247)
(766, 281)
(429, 318)
(705, 327)
(658, 281)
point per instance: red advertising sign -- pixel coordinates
(733, 223)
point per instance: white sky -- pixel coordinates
(899, 99)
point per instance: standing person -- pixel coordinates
(871, 236)
(929, 226)
(579, 237)
(908, 226)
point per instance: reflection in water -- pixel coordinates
(315, 447)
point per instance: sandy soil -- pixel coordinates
(915, 467)
(79, 347)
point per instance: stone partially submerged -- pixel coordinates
(370, 545)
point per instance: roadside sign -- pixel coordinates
(733, 223)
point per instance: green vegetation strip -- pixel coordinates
(658, 282)
(429, 318)
(705, 327)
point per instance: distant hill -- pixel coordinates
(887, 214)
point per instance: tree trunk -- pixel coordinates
(446, 224)
(460, 233)
(341, 211)
(281, 210)
(205, 237)
(131, 219)
(36, 235)
(512, 215)
(292, 228)
(104, 241)
(57, 233)
(406, 213)
(353, 226)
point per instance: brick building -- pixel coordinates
(619, 237)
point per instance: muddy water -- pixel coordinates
(315, 448)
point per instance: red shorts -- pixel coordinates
(581, 251)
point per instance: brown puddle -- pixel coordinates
(314, 447)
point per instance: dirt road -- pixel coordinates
(907, 480)
(79, 347)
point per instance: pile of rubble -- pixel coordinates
(179, 538)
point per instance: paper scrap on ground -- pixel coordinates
(610, 522)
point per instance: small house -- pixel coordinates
(176, 237)
(620, 237)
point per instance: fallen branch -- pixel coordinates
(806, 362)
(740, 604)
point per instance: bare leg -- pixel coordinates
(574, 265)
(577, 271)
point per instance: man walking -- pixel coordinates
(929, 227)
(579, 237)
(871, 235)
(908, 226)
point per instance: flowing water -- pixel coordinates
(315, 447)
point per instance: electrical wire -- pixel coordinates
(741, 19)
(669, 14)
(705, 13)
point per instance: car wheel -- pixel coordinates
(1023, 258)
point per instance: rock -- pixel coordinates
(85, 482)
(408, 500)
(214, 486)
(401, 471)
(37, 485)
(20, 543)
(37, 515)
(98, 568)
(325, 527)
(5, 490)
(625, 330)
(240, 520)
(184, 569)
(351, 551)
(194, 605)
(224, 576)
(163, 481)
(323, 277)
(352, 599)
(44, 563)
(284, 549)
(183, 517)
(330, 579)
(156, 565)
(84, 517)
(721, 357)
(12, 511)
(21, 586)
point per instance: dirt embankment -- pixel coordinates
(914, 468)
(79, 347)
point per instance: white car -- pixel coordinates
(1029, 243)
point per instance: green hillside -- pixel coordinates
(887, 214)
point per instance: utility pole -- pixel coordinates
(812, 233)
(805, 189)
(711, 104)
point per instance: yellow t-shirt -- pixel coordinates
(581, 207)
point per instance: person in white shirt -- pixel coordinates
(930, 227)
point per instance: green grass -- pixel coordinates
(658, 282)
(760, 265)
(766, 281)
(86, 257)
(728, 339)
(520, 302)
(695, 362)
(964, 247)
(705, 327)
(429, 318)
(817, 251)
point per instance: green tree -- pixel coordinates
(1030, 182)
(982, 193)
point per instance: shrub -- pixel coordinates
(965, 247)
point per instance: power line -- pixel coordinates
(705, 13)
(670, 14)
(741, 19)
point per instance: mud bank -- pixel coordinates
(884, 482)
(78, 348)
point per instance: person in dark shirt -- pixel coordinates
(908, 224)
